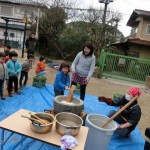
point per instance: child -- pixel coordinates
(40, 68)
(62, 80)
(14, 68)
(3, 74)
(7, 57)
(7, 50)
(26, 65)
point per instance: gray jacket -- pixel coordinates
(26, 64)
(84, 65)
(3, 71)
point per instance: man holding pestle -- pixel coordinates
(130, 117)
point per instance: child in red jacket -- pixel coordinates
(7, 52)
(40, 67)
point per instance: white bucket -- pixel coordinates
(99, 138)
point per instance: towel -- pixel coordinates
(68, 141)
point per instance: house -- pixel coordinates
(138, 43)
(15, 11)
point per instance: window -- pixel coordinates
(134, 54)
(148, 29)
(133, 31)
(6, 10)
(121, 62)
(12, 34)
(5, 34)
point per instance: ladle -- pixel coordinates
(40, 120)
(32, 119)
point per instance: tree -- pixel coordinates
(94, 17)
(50, 28)
(51, 25)
(64, 29)
(73, 38)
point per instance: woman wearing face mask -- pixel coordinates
(130, 117)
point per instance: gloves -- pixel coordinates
(108, 101)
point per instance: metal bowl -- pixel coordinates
(37, 128)
(68, 123)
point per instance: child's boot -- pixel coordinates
(10, 95)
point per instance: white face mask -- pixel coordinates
(127, 96)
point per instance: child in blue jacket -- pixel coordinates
(62, 80)
(14, 68)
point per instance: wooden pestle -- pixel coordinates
(32, 119)
(40, 120)
(119, 111)
(71, 92)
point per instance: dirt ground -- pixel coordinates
(102, 87)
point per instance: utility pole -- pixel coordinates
(6, 32)
(104, 15)
(116, 27)
(37, 24)
(106, 2)
(25, 28)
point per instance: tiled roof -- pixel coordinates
(136, 13)
(28, 2)
(142, 12)
(139, 41)
(133, 41)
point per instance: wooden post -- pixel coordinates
(118, 112)
(70, 95)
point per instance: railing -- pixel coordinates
(124, 67)
(13, 44)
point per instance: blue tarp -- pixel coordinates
(38, 99)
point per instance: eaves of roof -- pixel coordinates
(136, 41)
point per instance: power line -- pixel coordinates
(128, 3)
(88, 9)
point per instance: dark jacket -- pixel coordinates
(132, 114)
(31, 45)
(61, 81)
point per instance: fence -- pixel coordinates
(124, 67)
(13, 44)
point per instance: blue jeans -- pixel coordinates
(41, 73)
(122, 132)
(1, 87)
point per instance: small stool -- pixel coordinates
(116, 95)
(77, 89)
(39, 81)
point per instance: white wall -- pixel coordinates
(18, 12)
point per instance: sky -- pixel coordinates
(125, 7)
